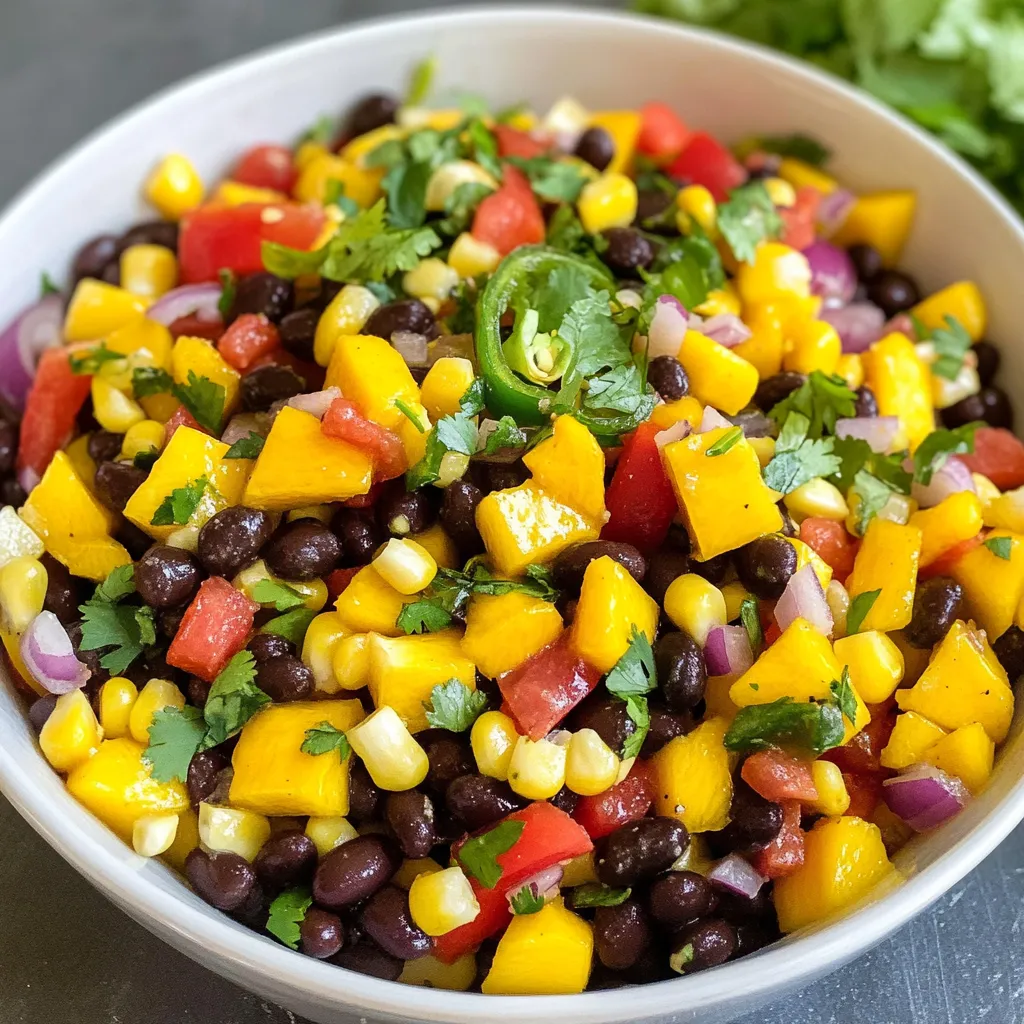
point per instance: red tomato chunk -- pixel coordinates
(628, 800)
(999, 456)
(251, 336)
(785, 853)
(705, 161)
(778, 776)
(344, 422)
(511, 216)
(267, 166)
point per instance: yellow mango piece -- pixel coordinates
(435, 540)
(1000, 510)
(369, 604)
(851, 369)
(569, 465)
(115, 784)
(963, 301)
(373, 374)
(611, 605)
(716, 697)
(887, 561)
(189, 455)
(967, 753)
(798, 174)
(902, 384)
(624, 128)
(668, 414)
(815, 345)
(844, 858)
(718, 376)
(723, 498)
(776, 271)
(77, 452)
(362, 184)
(882, 219)
(800, 664)
(911, 736)
(693, 778)
(404, 671)
(186, 839)
(444, 385)
(97, 309)
(271, 773)
(199, 356)
(955, 519)
(875, 664)
(300, 466)
(145, 341)
(806, 555)
(764, 348)
(525, 524)
(543, 954)
(993, 586)
(504, 630)
(964, 683)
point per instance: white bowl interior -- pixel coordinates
(963, 230)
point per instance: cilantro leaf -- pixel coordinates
(423, 616)
(794, 465)
(106, 623)
(630, 679)
(822, 399)
(292, 625)
(1001, 547)
(936, 448)
(858, 611)
(454, 706)
(47, 285)
(411, 415)
(175, 735)
(119, 583)
(526, 901)
(595, 894)
(246, 447)
(874, 495)
(178, 507)
(287, 912)
(725, 443)
(555, 181)
(457, 433)
(460, 206)
(228, 290)
(747, 219)
(320, 131)
(565, 232)
(809, 725)
(478, 854)
(405, 185)
(506, 434)
(92, 359)
(951, 344)
(280, 595)
(799, 146)
(324, 738)
(485, 147)
(233, 699)
(474, 399)
(622, 389)
(751, 619)
(640, 715)
(151, 380)
(145, 460)
(204, 400)
(843, 695)
(587, 326)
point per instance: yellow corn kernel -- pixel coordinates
(174, 187)
(800, 174)
(234, 193)
(351, 661)
(735, 594)
(833, 798)
(429, 972)
(329, 833)
(720, 300)
(764, 449)
(851, 368)
(536, 769)
(696, 202)
(186, 839)
(813, 345)
(312, 592)
(153, 834)
(695, 606)
(440, 901)
(346, 313)
(449, 176)
(591, 766)
(780, 191)
(361, 184)
(17, 538)
(149, 270)
(411, 869)
(144, 436)
(493, 738)
(607, 202)
(230, 830)
(117, 698)
(23, 584)
(318, 649)
(72, 734)
(114, 410)
(469, 257)
(838, 601)
(154, 696)
(431, 278)
(445, 384)
(776, 270)
(406, 565)
(987, 491)
(395, 761)
(817, 498)
(97, 309)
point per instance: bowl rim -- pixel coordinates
(767, 973)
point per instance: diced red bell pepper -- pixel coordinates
(865, 793)
(628, 800)
(771, 634)
(181, 417)
(51, 407)
(785, 853)
(798, 220)
(547, 686)
(495, 914)
(513, 142)
(344, 422)
(193, 326)
(248, 338)
(214, 629)
(337, 581)
(662, 132)
(863, 753)
(943, 565)
(999, 456)
(640, 499)
(831, 542)
(267, 166)
(776, 775)
(511, 216)
(215, 238)
(705, 161)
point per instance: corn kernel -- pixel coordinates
(153, 834)
(719, 301)
(469, 257)
(429, 972)
(156, 694)
(318, 648)
(186, 538)
(117, 698)
(144, 436)
(735, 594)
(441, 901)
(234, 193)
(608, 202)
(149, 270)
(321, 513)
(395, 761)
(780, 192)
(114, 410)
(329, 833)
(493, 738)
(346, 313)
(313, 592)
(987, 491)
(817, 498)
(695, 606)
(449, 176)
(406, 565)
(307, 153)
(72, 733)
(23, 584)
(351, 661)
(536, 769)
(174, 187)
(833, 798)
(696, 203)
(431, 278)
(776, 271)
(229, 830)
(851, 368)
(17, 538)
(838, 601)
(566, 116)
(411, 869)
(186, 839)
(764, 449)
(591, 766)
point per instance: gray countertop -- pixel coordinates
(68, 956)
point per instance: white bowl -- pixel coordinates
(963, 229)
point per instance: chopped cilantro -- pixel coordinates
(751, 619)
(951, 344)
(108, 623)
(460, 206)
(424, 616)
(177, 508)
(411, 415)
(630, 679)
(1001, 547)
(725, 443)
(145, 460)
(595, 894)
(798, 459)
(858, 611)
(812, 726)
(334, 195)
(203, 399)
(506, 434)
(474, 398)
(246, 447)
(233, 699)
(47, 285)
(936, 448)
(280, 595)
(565, 232)
(485, 147)
(747, 219)
(478, 854)
(90, 361)
(405, 185)
(799, 146)
(855, 455)
(526, 901)
(555, 181)
(874, 495)
(292, 625)
(120, 583)
(844, 696)
(622, 389)
(324, 738)
(228, 290)
(321, 131)
(175, 735)
(287, 912)
(454, 706)
(822, 399)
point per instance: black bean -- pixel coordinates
(111, 273)
(266, 385)
(116, 482)
(666, 375)
(597, 147)
(990, 404)
(714, 570)
(449, 756)
(1009, 649)
(499, 476)
(286, 858)
(364, 798)
(231, 540)
(458, 516)
(386, 920)
(678, 539)
(166, 577)
(265, 646)
(572, 563)
(410, 315)
(565, 800)
(298, 330)
(627, 251)
(937, 605)
(753, 822)
(225, 880)
(63, 591)
(303, 549)
(750, 937)
(137, 541)
(663, 567)
(8, 445)
(40, 710)
(262, 293)
(867, 261)
(621, 934)
(650, 204)
(607, 717)
(90, 260)
(203, 770)
(151, 232)
(680, 897)
(866, 404)
(410, 816)
(402, 512)
(665, 726)
(988, 361)
(765, 566)
(358, 533)
(774, 389)
(682, 673)
(321, 934)
(365, 958)
(701, 945)
(12, 493)
(640, 851)
(354, 871)
(198, 690)
(894, 291)
(479, 800)
(285, 678)
(373, 111)
(91, 659)
(734, 907)
(103, 445)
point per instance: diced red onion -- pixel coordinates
(804, 598)
(834, 208)
(727, 651)
(878, 431)
(694, 322)
(925, 797)
(22, 342)
(668, 327)
(28, 478)
(833, 276)
(712, 420)
(860, 324)
(736, 875)
(725, 328)
(411, 347)
(544, 884)
(676, 432)
(49, 656)
(200, 300)
(242, 425)
(316, 402)
(953, 477)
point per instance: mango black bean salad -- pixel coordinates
(513, 552)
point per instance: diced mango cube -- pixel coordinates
(776, 271)
(966, 753)
(955, 519)
(882, 219)
(963, 301)
(72, 733)
(875, 664)
(694, 779)
(911, 736)
(800, 664)
(570, 465)
(199, 356)
(373, 374)
(97, 309)
(504, 630)
(887, 561)
(687, 409)
(718, 376)
(902, 384)
(444, 385)
(369, 604)
(441, 547)
(993, 586)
